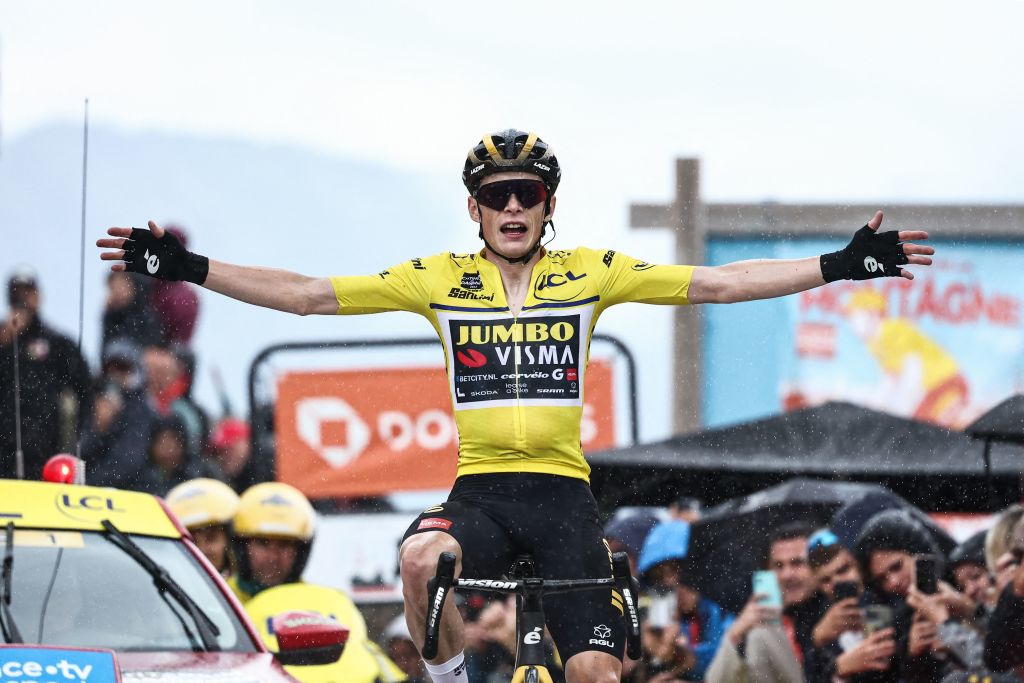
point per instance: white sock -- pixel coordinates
(452, 671)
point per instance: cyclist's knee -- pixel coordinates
(418, 557)
(593, 667)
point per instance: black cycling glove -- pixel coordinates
(164, 258)
(869, 255)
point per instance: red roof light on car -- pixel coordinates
(64, 468)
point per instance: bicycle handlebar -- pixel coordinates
(444, 581)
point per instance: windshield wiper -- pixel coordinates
(7, 625)
(208, 630)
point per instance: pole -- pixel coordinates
(19, 454)
(81, 258)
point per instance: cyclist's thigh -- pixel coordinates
(568, 543)
(486, 547)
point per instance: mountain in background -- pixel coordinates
(241, 202)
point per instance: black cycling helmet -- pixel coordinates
(511, 150)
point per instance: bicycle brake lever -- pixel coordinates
(628, 588)
(437, 591)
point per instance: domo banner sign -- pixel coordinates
(350, 433)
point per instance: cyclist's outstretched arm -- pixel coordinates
(157, 253)
(869, 255)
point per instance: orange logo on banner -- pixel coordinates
(365, 433)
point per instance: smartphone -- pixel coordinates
(766, 583)
(845, 589)
(927, 574)
(876, 618)
(661, 610)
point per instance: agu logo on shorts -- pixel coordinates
(55, 665)
(434, 523)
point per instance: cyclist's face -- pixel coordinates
(516, 228)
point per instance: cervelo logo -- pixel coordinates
(431, 429)
(34, 671)
(533, 637)
(152, 262)
(872, 266)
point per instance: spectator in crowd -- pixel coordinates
(997, 546)
(176, 303)
(121, 363)
(802, 604)
(167, 386)
(970, 575)
(207, 508)
(755, 648)
(841, 649)
(627, 533)
(491, 641)
(682, 630)
(399, 646)
(170, 461)
(116, 437)
(686, 508)
(231, 448)
(127, 313)
(53, 380)
(1004, 645)
(936, 626)
(186, 405)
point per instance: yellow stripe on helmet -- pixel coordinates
(530, 142)
(492, 149)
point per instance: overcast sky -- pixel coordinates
(786, 100)
(882, 102)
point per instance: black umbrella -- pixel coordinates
(727, 544)
(1004, 423)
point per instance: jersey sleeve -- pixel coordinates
(399, 288)
(629, 279)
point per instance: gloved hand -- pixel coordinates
(868, 255)
(164, 258)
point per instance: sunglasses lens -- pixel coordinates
(495, 196)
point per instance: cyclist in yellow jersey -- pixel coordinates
(515, 321)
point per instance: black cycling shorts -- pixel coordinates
(496, 517)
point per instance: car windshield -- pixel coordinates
(78, 589)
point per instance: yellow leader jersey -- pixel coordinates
(516, 382)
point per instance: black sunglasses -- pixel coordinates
(495, 196)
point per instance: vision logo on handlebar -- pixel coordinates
(529, 609)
